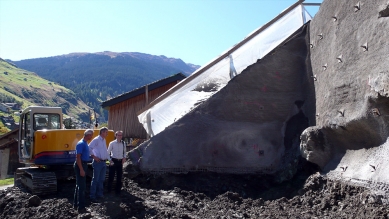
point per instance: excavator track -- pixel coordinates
(37, 180)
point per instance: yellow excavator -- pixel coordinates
(47, 150)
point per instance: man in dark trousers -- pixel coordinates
(80, 167)
(117, 150)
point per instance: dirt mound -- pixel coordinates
(206, 195)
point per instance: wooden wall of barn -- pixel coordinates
(9, 141)
(13, 159)
(123, 116)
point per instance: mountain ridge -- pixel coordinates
(96, 77)
(138, 55)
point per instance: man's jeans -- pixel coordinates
(79, 192)
(96, 189)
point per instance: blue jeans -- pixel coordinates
(96, 189)
(79, 191)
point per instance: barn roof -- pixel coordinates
(141, 90)
(10, 138)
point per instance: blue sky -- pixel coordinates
(195, 31)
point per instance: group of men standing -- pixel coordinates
(97, 150)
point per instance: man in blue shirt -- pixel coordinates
(80, 167)
(98, 151)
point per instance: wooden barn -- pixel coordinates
(122, 110)
(9, 159)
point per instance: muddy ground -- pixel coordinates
(206, 195)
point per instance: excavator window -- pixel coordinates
(25, 145)
(41, 124)
(46, 121)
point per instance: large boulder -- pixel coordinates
(350, 62)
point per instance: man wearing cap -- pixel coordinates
(117, 149)
(98, 151)
(80, 166)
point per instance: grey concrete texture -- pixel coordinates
(350, 62)
(332, 75)
(252, 125)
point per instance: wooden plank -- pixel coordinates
(4, 160)
(147, 94)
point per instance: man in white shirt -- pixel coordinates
(117, 150)
(98, 151)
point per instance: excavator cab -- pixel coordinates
(32, 119)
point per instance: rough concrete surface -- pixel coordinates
(252, 125)
(350, 61)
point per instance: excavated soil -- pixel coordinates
(206, 195)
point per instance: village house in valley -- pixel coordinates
(8, 107)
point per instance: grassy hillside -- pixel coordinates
(27, 88)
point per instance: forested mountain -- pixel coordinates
(96, 77)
